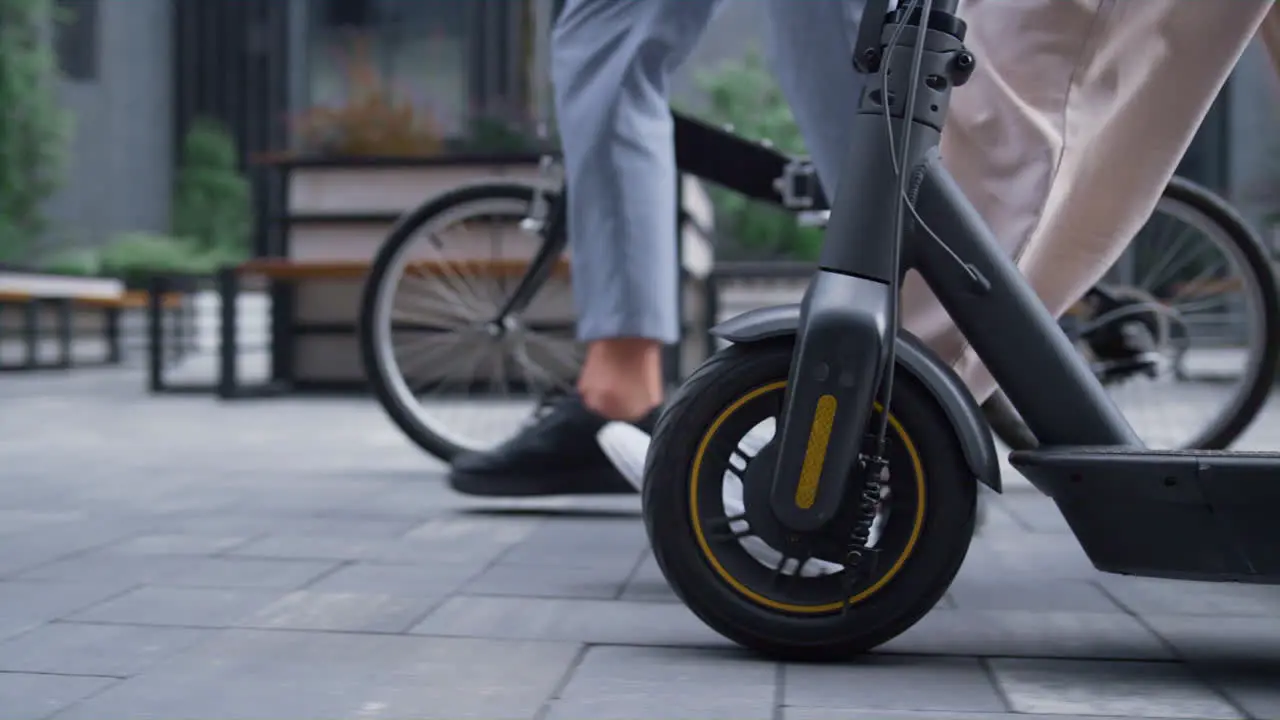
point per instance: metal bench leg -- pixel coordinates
(66, 327)
(31, 333)
(155, 334)
(228, 351)
(179, 332)
(111, 334)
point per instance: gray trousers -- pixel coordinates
(612, 61)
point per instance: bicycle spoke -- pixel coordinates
(446, 265)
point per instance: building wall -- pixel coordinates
(119, 169)
(1254, 145)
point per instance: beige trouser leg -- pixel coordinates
(1066, 135)
(1270, 33)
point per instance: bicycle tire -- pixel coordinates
(404, 231)
(1007, 425)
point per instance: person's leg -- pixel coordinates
(1270, 32)
(1077, 117)
(611, 64)
(1063, 139)
(611, 67)
(810, 44)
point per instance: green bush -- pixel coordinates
(136, 256)
(34, 128)
(211, 201)
(79, 262)
(745, 95)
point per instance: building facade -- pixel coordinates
(136, 74)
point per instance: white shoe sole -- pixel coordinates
(626, 447)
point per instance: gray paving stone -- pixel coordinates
(427, 580)
(1035, 515)
(187, 607)
(326, 481)
(410, 550)
(19, 520)
(565, 581)
(656, 706)
(80, 649)
(887, 682)
(1239, 655)
(590, 621)
(1174, 597)
(1069, 687)
(1021, 633)
(26, 605)
(110, 568)
(984, 592)
(1029, 555)
(461, 539)
(248, 675)
(630, 682)
(802, 713)
(648, 584)
(584, 543)
(352, 612)
(303, 547)
(179, 544)
(331, 527)
(35, 697)
(249, 573)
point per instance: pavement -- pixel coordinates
(296, 559)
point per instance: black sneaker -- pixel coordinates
(556, 454)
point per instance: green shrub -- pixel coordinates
(34, 128)
(81, 262)
(211, 202)
(745, 95)
(136, 256)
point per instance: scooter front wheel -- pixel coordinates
(715, 538)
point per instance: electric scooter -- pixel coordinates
(849, 524)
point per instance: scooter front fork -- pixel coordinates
(842, 347)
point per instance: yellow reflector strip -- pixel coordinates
(816, 452)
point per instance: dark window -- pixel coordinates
(76, 38)
(350, 13)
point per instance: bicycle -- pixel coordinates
(1132, 333)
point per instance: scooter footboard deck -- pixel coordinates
(1189, 514)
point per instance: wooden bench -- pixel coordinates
(34, 327)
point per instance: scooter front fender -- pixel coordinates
(782, 321)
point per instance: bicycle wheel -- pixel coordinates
(1197, 290)
(447, 372)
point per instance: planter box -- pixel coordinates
(341, 212)
(342, 209)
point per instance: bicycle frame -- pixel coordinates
(751, 169)
(844, 350)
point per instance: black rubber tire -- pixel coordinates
(923, 579)
(403, 232)
(1008, 426)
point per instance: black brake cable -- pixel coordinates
(900, 175)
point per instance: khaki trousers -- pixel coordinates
(1066, 135)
